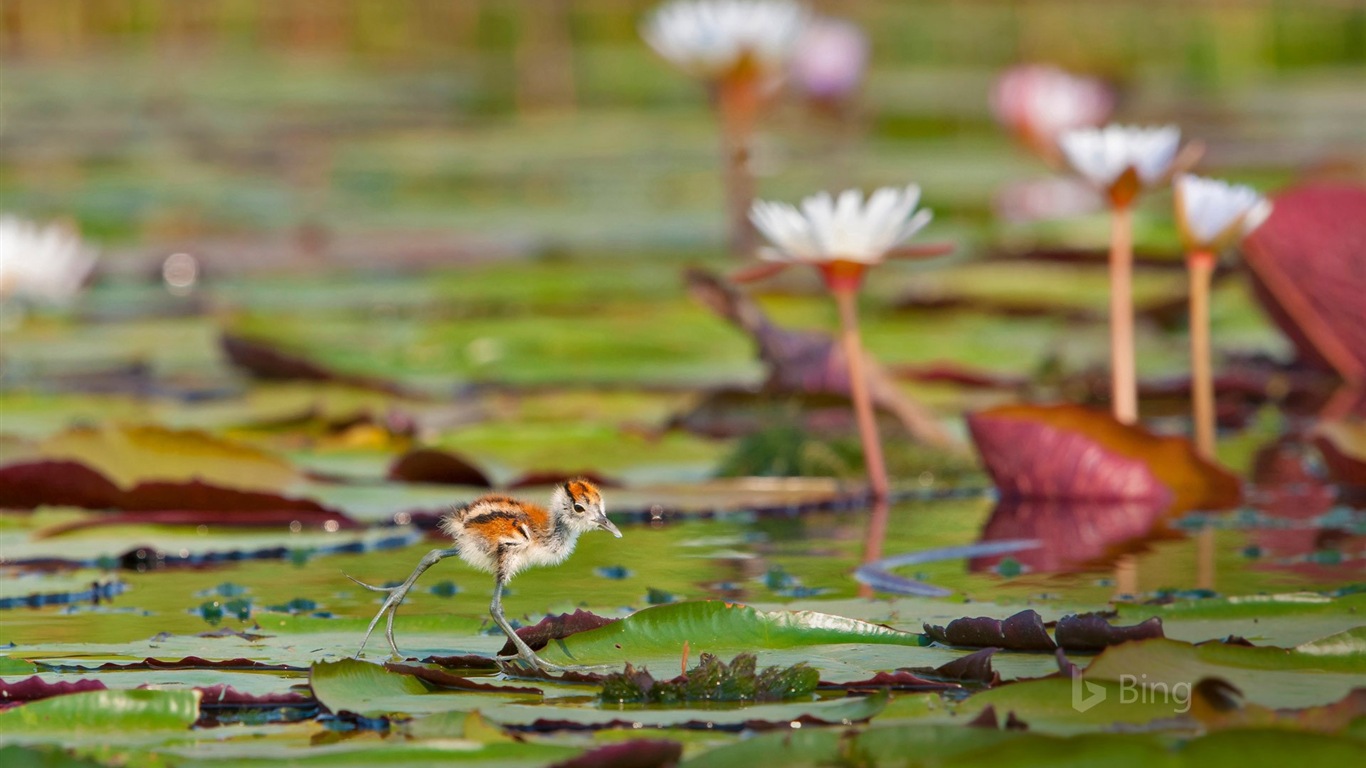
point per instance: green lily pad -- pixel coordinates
(718, 627)
(1056, 705)
(1276, 619)
(15, 756)
(896, 744)
(370, 690)
(106, 711)
(1273, 677)
(838, 711)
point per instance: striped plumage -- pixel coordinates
(503, 535)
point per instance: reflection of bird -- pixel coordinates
(502, 535)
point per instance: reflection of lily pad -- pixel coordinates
(1073, 535)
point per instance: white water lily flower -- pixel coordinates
(844, 229)
(44, 263)
(1211, 214)
(1105, 156)
(713, 38)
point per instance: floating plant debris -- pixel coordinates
(712, 680)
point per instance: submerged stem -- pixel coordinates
(1123, 377)
(846, 299)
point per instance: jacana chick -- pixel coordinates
(502, 535)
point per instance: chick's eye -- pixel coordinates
(578, 507)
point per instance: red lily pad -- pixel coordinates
(35, 688)
(196, 662)
(1025, 631)
(637, 753)
(264, 360)
(227, 697)
(987, 718)
(71, 483)
(57, 483)
(443, 679)
(1070, 453)
(1022, 632)
(972, 668)
(539, 635)
(1306, 265)
(1091, 632)
(270, 518)
(900, 680)
(429, 465)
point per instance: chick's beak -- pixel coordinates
(606, 525)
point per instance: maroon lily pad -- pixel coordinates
(56, 483)
(196, 662)
(35, 688)
(70, 483)
(429, 465)
(637, 753)
(227, 697)
(267, 361)
(807, 362)
(197, 495)
(1305, 262)
(1091, 632)
(1022, 632)
(463, 661)
(958, 374)
(551, 628)
(1025, 631)
(444, 679)
(972, 668)
(1070, 453)
(900, 680)
(987, 718)
(229, 519)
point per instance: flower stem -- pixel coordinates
(858, 388)
(1123, 379)
(738, 103)
(1201, 268)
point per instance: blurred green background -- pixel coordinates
(547, 124)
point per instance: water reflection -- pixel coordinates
(1076, 536)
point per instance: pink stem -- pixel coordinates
(738, 102)
(858, 388)
(1201, 267)
(1123, 378)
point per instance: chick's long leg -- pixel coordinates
(523, 650)
(396, 595)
